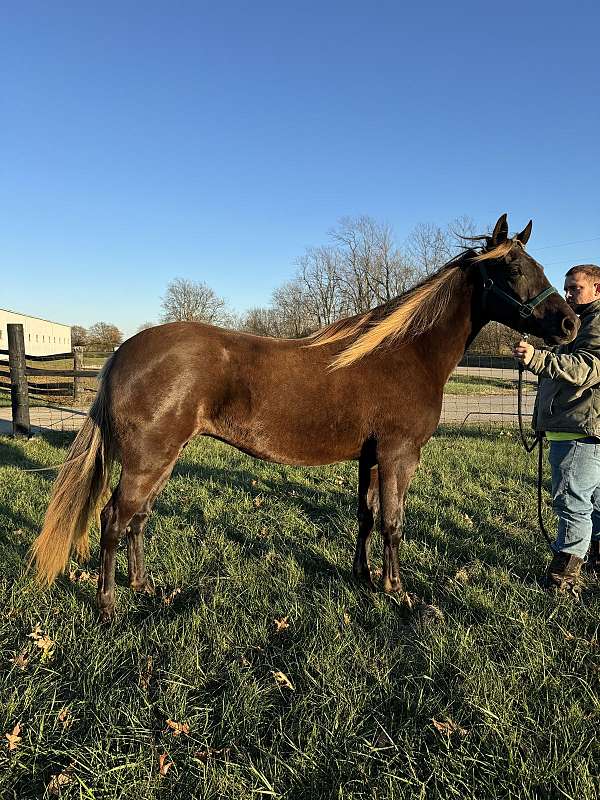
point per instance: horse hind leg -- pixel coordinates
(368, 507)
(129, 499)
(136, 567)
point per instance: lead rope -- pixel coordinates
(530, 447)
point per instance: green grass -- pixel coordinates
(246, 543)
(467, 384)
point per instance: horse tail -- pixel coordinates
(82, 482)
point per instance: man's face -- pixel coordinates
(579, 290)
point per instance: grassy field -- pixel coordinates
(258, 669)
(473, 384)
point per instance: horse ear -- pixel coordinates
(523, 237)
(500, 233)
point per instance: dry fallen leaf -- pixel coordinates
(448, 727)
(65, 716)
(570, 637)
(168, 598)
(146, 675)
(347, 618)
(57, 782)
(46, 645)
(14, 738)
(163, 764)
(22, 659)
(258, 501)
(177, 728)
(281, 624)
(36, 633)
(283, 680)
(42, 640)
(82, 576)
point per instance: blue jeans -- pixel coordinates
(576, 494)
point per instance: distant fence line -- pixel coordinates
(487, 361)
(23, 381)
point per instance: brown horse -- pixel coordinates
(367, 388)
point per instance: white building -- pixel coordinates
(42, 337)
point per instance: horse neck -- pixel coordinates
(444, 344)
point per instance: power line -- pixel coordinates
(573, 260)
(567, 244)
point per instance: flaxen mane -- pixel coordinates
(411, 315)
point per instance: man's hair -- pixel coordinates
(589, 270)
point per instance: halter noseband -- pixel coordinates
(525, 309)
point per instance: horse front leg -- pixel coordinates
(368, 506)
(394, 478)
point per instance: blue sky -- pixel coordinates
(145, 141)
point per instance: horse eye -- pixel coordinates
(515, 272)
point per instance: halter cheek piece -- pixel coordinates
(525, 309)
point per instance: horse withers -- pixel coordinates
(367, 388)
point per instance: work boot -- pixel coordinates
(592, 565)
(564, 574)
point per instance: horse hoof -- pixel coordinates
(107, 615)
(145, 587)
(364, 577)
(392, 585)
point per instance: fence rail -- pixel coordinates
(40, 384)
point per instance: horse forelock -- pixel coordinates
(499, 251)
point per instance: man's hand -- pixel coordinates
(523, 352)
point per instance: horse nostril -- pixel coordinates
(568, 326)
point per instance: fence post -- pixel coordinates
(77, 365)
(19, 394)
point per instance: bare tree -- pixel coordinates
(145, 325)
(459, 231)
(292, 312)
(187, 301)
(356, 243)
(104, 335)
(262, 321)
(428, 247)
(362, 268)
(79, 336)
(319, 280)
(373, 269)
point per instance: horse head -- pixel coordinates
(515, 291)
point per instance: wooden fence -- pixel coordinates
(25, 382)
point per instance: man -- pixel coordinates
(567, 409)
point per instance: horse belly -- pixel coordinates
(289, 440)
